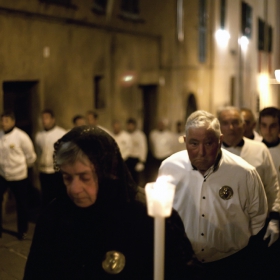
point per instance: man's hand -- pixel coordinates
(272, 231)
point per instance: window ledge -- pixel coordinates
(131, 17)
(70, 6)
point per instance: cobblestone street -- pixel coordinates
(13, 252)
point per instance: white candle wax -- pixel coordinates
(160, 197)
(159, 235)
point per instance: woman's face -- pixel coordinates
(81, 182)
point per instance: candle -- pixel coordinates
(159, 195)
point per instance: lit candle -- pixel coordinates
(159, 195)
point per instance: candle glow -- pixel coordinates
(159, 195)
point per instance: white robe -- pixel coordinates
(257, 154)
(217, 228)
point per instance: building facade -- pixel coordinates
(136, 58)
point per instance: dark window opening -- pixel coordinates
(99, 6)
(261, 31)
(130, 10)
(20, 97)
(191, 105)
(265, 36)
(246, 17)
(270, 37)
(66, 3)
(222, 13)
(202, 30)
(99, 92)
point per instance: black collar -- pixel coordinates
(252, 137)
(240, 144)
(8, 131)
(273, 144)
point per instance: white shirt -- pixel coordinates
(163, 143)
(275, 154)
(139, 145)
(123, 140)
(16, 154)
(258, 155)
(217, 228)
(257, 136)
(44, 141)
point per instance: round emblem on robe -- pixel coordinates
(114, 262)
(226, 192)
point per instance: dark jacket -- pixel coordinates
(71, 243)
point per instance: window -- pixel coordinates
(222, 13)
(130, 10)
(270, 37)
(66, 3)
(261, 31)
(180, 20)
(99, 92)
(202, 30)
(264, 36)
(99, 6)
(246, 17)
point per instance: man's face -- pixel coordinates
(47, 121)
(117, 127)
(232, 127)
(80, 122)
(81, 182)
(7, 123)
(131, 127)
(161, 126)
(91, 120)
(269, 128)
(249, 124)
(203, 146)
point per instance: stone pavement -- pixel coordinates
(13, 252)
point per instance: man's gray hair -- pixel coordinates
(230, 108)
(202, 118)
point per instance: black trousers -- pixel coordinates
(256, 261)
(19, 190)
(235, 267)
(52, 186)
(267, 262)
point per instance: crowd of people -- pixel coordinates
(19, 154)
(94, 222)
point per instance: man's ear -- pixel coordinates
(185, 139)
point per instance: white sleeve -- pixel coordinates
(143, 147)
(270, 182)
(257, 203)
(28, 149)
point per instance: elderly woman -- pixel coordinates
(100, 229)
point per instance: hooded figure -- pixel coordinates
(99, 229)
